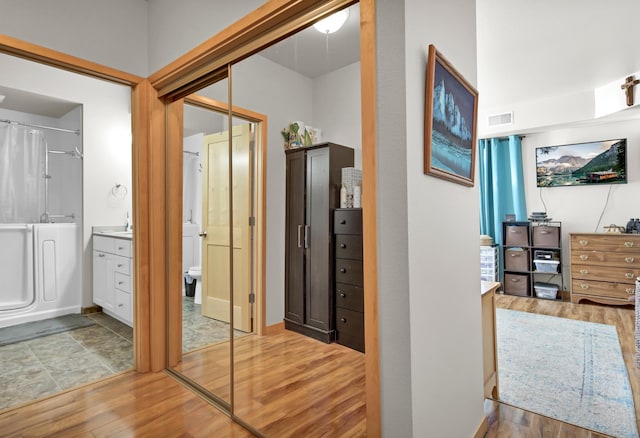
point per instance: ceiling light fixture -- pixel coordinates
(333, 22)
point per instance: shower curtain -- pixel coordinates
(22, 156)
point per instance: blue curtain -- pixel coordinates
(501, 184)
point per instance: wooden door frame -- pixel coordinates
(206, 64)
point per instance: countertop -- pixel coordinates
(488, 286)
(117, 232)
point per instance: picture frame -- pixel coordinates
(450, 124)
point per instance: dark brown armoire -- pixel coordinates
(312, 194)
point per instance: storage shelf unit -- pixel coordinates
(489, 262)
(532, 259)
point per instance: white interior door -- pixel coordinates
(215, 244)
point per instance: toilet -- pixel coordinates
(196, 273)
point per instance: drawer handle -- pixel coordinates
(100, 255)
(628, 275)
(584, 286)
(121, 248)
(121, 282)
(343, 295)
(343, 245)
(628, 244)
(120, 265)
(343, 221)
(120, 305)
(583, 242)
(515, 255)
(584, 257)
(629, 259)
(343, 270)
(630, 290)
(544, 232)
(584, 271)
(343, 319)
(515, 280)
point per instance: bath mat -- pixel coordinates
(565, 369)
(46, 327)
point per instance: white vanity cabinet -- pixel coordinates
(112, 276)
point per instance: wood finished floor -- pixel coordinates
(155, 405)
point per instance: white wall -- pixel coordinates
(177, 27)
(106, 127)
(112, 33)
(428, 267)
(336, 108)
(579, 207)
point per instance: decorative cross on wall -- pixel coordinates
(628, 88)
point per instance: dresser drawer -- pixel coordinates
(349, 297)
(122, 247)
(516, 259)
(605, 273)
(347, 221)
(349, 246)
(601, 258)
(607, 243)
(546, 236)
(516, 235)
(350, 328)
(122, 306)
(349, 272)
(515, 284)
(123, 282)
(620, 291)
(122, 264)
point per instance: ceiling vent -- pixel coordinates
(500, 119)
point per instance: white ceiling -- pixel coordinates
(528, 50)
(314, 54)
(23, 101)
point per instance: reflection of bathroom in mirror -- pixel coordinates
(65, 217)
(312, 77)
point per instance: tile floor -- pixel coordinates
(50, 364)
(46, 365)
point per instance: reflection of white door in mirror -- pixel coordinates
(215, 245)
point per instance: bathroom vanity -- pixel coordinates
(113, 274)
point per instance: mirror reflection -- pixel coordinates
(289, 368)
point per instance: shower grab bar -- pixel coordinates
(74, 153)
(72, 131)
(45, 218)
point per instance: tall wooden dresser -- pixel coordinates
(349, 278)
(604, 267)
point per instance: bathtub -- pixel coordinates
(40, 272)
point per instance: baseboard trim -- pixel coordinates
(482, 428)
(92, 309)
(273, 329)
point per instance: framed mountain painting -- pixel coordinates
(451, 110)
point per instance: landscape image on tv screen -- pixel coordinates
(598, 162)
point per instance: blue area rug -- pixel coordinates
(46, 327)
(565, 369)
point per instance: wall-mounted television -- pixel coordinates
(597, 162)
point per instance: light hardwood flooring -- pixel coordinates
(507, 421)
(291, 394)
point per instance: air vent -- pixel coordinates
(500, 119)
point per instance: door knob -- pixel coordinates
(203, 234)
